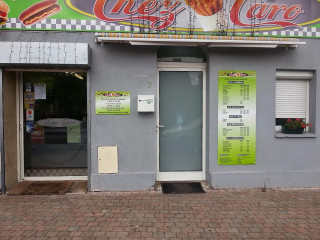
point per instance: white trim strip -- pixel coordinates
(180, 176)
(292, 75)
(181, 66)
(199, 42)
(58, 178)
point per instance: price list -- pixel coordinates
(111, 102)
(237, 118)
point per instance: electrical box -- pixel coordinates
(145, 103)
(108, 159)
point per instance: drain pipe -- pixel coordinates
(2, 168)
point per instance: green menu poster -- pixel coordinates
(237, 117)
(111, 102)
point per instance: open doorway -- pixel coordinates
(53, 110)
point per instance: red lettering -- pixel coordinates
(292, 12)
(167, 12)
(235, 13)
(117, 7)
(128, 8)
(148, 7)
(275, 9)
(262, 11)
(145, 10)
(126, 5)
(258, 11)
(169, 6)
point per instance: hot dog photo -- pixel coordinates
(4, 9)
(39, 11)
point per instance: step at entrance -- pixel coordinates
(181, 187)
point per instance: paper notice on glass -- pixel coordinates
(29, 127)
(29, 97)
(40, 91)
(74, 134)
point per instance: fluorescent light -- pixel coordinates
(77, 75)
(142, 43)
(194, 44)
(242, 45)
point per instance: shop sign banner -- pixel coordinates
(299, 18)
(237, 118)
(112, 102)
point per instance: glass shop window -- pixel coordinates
(292, 96)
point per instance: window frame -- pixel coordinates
(295, 75)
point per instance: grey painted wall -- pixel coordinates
(116, 68)
(281, 162)
(2, 188)
(124, 68)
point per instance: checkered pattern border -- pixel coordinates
(308, 32)
(97, 25)
(75, 25)
(54, 172)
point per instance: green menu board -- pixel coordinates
(112, 102)
(237, 118)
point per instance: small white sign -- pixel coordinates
(40, 91)
(29, 115)
(145, 103)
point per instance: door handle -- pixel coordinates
(160, 126)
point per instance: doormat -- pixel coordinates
(182, 188)
(41, 188)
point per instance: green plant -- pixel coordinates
(294, 124)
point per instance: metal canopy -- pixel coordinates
(196, 40)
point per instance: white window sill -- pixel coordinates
(303, 135)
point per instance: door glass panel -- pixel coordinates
(55, 124)
(180, 135)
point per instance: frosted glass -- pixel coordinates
(181, 117)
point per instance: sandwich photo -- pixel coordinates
(4, 9)
(39, 11)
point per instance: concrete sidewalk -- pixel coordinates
(218, 214)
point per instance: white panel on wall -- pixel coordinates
(145, 103)
(286, 74)
(49, 53)
(108, 159)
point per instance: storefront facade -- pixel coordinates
(124, 112)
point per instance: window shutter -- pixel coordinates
(292, 98)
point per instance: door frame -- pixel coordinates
(20, 126)
(184, 175)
